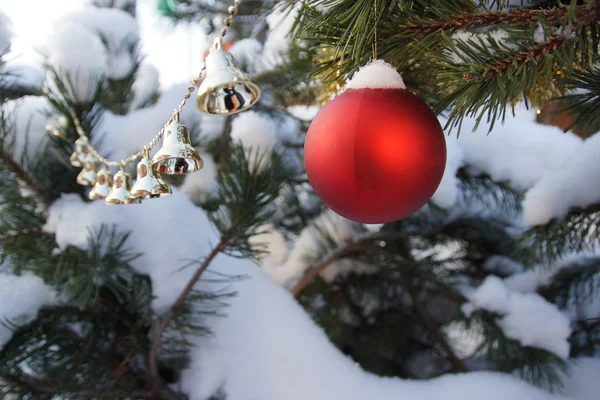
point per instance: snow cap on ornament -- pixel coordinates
(376, 75)
(376, 153)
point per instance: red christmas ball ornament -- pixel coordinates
(375, 155)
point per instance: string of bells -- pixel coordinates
(223, 90)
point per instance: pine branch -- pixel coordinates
(459, 365)
(346, 250)
(12, 235)
(21, 174)
(169, 315)
(552, 17)
(516, 60)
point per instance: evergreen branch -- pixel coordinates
(585, 88)
(10, 235)
(459, 365)
(516, 60)
(21, 174)
(345, 250)
(179, 303)
(552, 17)
(577, 232)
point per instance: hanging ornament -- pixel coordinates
(87, 176)
(121, 190)
(148, 185)
(176, 156)
(225, 89)
(376, 153)
(102, 187)
(81, 149)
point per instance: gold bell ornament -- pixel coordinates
(148, 185)
(87, 176)
(80, 153)
(121, 190)
(225, 89)
(102, 187)
(176, 156)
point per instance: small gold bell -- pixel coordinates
(80, 153)
(225, 89)
(87, 176)
(120, 193)
(102, 187)
(148, 185)
(176, 156)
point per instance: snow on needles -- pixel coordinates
(566, 187)
(526, 317)
(20, 299)
(117, 29)
(79, 58)
(266, 346)
(376, 75)
(29, 114)
(257, 135)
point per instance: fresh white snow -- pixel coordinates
(377, 74)
(568, 186)
(20, 299)
(526, 317)
(257, 135)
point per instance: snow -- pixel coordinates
(117, 29)
(145, 86)
(29, 115)
(203, 184)
(526, 317)
(305, 113)
(310, 242)
(257, 135)
(23, 75)
(266, 347)
(20, 299)
(272, 242)
(247, 54)
(5, 33)
(377, 74)
(70, 217)
(79, 58)
(277, 43)
(518, 152)
(567, 187)
(582, 383)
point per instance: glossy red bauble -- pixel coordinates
(375, 155)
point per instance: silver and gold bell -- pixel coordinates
(80, 152)
(176, 156)
(225, 89)
(148, 185)
(87, 176)
(103, 183)
(120, 193)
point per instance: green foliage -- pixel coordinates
(548, 243)
(585, 87)
(497, 61)
(249, 181)
(534, 365)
